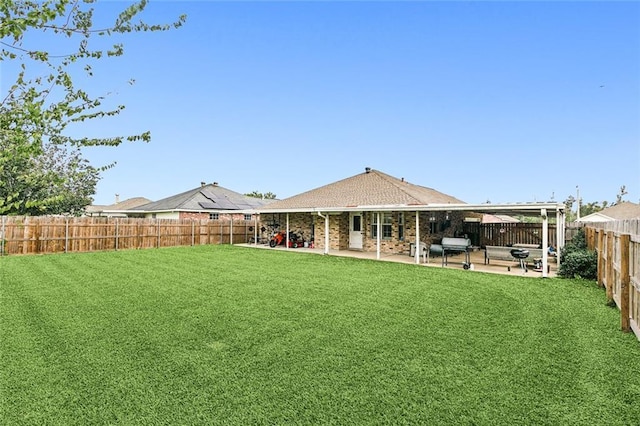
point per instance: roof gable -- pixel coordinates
(127, 204)
(371, 188)
(621, 211)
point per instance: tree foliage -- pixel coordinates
(265, 196)
(591, 207)
(41, 166)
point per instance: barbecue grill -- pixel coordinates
(452, 245)
(521, 255)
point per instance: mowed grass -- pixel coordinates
(231, 335)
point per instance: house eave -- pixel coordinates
(526, 209)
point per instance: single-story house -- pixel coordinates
(208, 201)
(373, 211)
(117, 209)
(620, 211)
(498, 218)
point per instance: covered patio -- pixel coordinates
(453, 262)
(376, 215)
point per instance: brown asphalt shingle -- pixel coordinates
(372, 188)
(624, 210)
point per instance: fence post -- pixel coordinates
(601, 257)
(66, 235)
(625, 323)
(2, 237)
(116, 220)
(231, 230)
(609, 265)
(158, 230)
(193, 233)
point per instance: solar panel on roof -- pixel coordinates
(208, 205)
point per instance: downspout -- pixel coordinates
(326, 232)
(545, 242)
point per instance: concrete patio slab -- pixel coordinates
(453, 261)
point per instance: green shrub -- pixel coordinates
(581, 263)
(576, 261)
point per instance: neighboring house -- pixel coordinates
(374, 211)
(621, 211)
(208, 201)
(498, 218)
(118, 209)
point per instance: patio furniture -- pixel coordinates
(454, 245)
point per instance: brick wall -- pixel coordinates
(311, 225)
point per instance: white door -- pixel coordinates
(355, 231)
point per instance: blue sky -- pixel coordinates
(485, 101)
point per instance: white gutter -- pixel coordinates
(532, 209)
(326, 232)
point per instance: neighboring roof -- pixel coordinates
(127, 204)
(498, 218)
(371, 188)
(211, 197)
(621, 211)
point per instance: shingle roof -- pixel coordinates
(371, 188)
(621, 211)
(498, 218)
(204, 198)
(127, 204)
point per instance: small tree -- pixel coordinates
(622, 193)
(40, 163)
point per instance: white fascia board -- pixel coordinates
(521, 208)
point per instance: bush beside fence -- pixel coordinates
(49, 234)
(618, 247)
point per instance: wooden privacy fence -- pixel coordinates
(618, 247)
(502, 234)
(49, 234)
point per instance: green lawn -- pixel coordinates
(232, 335)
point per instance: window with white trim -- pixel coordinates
(247, 217)
(214, 216)
(387, 221)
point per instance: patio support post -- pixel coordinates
(326, 232)
(417, 246)
(286, 239)
(559, 230)
(378, 239)
(545, 242)
(255, 229)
